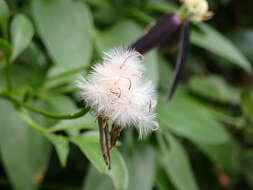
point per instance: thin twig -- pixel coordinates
(12, 98)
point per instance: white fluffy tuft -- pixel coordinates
(117, 90)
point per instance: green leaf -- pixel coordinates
(225, 156)
(177, 165)
(62, 105)
(125, 33)
(243, 39)
(24, 151)
(61, 145)
(89, 145)
(247, 103)
(141, 162)
(65, 28)
(162, 181)
(165, 71)
(246, 160)
(92, 178)
(96, 3)
(151, 63)
(34, 55)
(213, 41)
(85, 122)
(161, 7)
(4, 16)
(6, 48)
(214, 88)
(21, 34)
(191, 120)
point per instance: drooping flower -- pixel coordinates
(116, 90)
(171, 26)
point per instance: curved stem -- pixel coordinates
(9, 96)
(56, 116)
(26, 118)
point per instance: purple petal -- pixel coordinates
(165, 27)
(182, 57)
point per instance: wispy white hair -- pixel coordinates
(117, 90)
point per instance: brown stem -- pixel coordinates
(115, 134)
(103, 139)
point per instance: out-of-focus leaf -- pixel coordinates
(62, 105)
(105, 14)
(4, 16)
(151, 63)
(61, 145)
(188, 119)
(85, 122)
(6, 48)
(247, 103)
(21, 34)
(211, 40)
(89, 145)
(162, 180)
(243, 38)
(28, 75)
(246, 162)
(165, 72)
(141, 164)
(177, 165)
(225, 156)
(91, 181)
(24, 151)
(65, 27)
(161, 6)
(215, 88)
(25, 76)
(96, 3)
(2, 64)
(34, 55)
(124, 34)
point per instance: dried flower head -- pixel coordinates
(198, 10)
(115, 89)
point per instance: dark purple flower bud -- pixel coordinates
(166, 30)
(182, 56)
(162, 30)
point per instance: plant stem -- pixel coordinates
(10, 97)
(26, 118)
(56, 116)
(8, 75)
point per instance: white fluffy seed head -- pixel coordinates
(198, 9)
(117, 90)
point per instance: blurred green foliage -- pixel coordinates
(206, 136)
